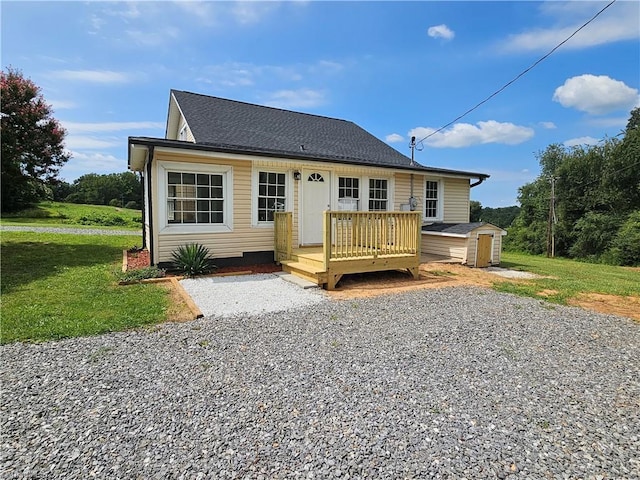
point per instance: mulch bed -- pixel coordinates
(140, 259)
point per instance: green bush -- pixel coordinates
(131, 205)
(141, 274)
(114, 202)
(193, 259)
(626, 244)
(102, 219)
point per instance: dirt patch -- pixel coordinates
(432, 275)
(137, 259)
(624, 306)
(547, 292)
(178, 310)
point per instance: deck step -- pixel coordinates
(309, 272)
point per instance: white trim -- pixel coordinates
(445, 234)
(161, 184)
(255, 180)
(440, 207)
(299, 164)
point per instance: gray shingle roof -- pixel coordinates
(247, 128)
(456, 228)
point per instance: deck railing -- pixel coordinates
(352, 235)
(283, 235)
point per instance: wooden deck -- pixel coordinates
(354, 242)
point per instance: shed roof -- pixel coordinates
(456, 228)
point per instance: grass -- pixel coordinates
(56, 286)
(49, 214)
(568, 278)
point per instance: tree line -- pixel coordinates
(115, 189)
(585, 204)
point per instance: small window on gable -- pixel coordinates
(182, 135)
(431, 194)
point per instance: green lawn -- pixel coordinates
(568, 278)
(71, 214)
(56, 286)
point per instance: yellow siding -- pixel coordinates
(451, 247)
(456, 200)
(243, 238)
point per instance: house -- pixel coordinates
(250, 182)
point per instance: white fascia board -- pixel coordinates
(445, 234)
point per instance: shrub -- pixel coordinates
(132, 205)
(193, 259)
(107, 220)
(626, 245)
(141, 274)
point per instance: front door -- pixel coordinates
(316, 198)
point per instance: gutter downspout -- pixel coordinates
(150, 207)
(475, 184)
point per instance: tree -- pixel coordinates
(475, 211)
(32, 142)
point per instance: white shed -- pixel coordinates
(475, 244)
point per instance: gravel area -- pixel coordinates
(74, 231)
(505, 272)
(227, 296)
(452, 383)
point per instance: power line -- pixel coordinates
(521, 74)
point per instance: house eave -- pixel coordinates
(235, 150)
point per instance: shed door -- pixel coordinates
(316, 198)
(483, 250)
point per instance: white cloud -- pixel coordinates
(82, 142)
(573, 142)
(394, 138)
(76, 127)
(441, 31)
(465, 134)
(81, 163)
(548, 125)
(62, 104)
(248, 13)
(93, 76)
(303, 98)
(596, 94)
(618, 23)
(153, 39)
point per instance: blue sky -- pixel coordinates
(395, 68)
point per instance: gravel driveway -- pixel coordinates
(451, 383)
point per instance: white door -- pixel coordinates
(316, 198)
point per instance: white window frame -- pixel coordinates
(255, 189)
(440, 205)
(389, 198)
(358, 200)
(165, 227)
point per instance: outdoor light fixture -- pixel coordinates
(296, 175)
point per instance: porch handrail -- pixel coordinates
(349, 235)
(283, 235)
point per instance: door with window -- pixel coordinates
(316, 198)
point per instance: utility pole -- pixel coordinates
(551, 234)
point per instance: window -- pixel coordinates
(431, 199)
(271, 195)
(195, 198)
(377, 194)
(183, 133)
(348, 193)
